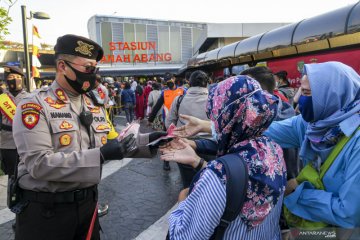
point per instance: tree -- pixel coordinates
(5, 19)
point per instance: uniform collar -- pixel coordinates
(88, 102)
(59, 93)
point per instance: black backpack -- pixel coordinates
(236, 185)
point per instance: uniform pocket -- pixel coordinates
(65, 134)
(100, 133)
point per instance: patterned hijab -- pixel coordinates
(241, 111)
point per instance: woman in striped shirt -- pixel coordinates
(240, 111)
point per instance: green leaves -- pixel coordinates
(5, 19)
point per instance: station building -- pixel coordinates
(135, 46)
(144, 47)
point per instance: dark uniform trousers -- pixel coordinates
(9, 161)
(57, 216)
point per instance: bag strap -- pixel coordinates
(179, 100)
(236, 185)
(334, 153)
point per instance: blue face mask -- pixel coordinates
(306, 108)
(213, 131)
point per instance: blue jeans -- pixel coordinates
(129, 112)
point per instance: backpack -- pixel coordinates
(236, 185)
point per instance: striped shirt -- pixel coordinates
(199, 214)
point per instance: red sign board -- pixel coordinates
(132, 57)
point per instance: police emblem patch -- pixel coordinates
(54, 104)
(61, 94)
(85, 85)
(84, 48)
(102, 127)
(101, 93)
(66, 125)
(35, 106)
(103, 140)
(87, 101)
(65, 140)
(95, 110)
(30, 118)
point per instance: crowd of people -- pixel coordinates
(299, 147)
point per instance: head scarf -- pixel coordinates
(241, 112)
(336, 109)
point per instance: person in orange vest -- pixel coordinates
(14, 78)
(167, 97)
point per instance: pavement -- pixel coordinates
(139, 192)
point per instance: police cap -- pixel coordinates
(78, 46)
(13, 69)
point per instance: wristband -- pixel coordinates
(199, 166)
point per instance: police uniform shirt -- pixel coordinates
(6, 137)
(54, 146)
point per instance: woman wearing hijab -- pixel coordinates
(140, 101)
(330, 113)
(239, 111)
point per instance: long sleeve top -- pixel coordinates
(198, 215)
(339, 203)
(193, 104)
(128, 96)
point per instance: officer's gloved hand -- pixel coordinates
(114, 149)
(155, 135)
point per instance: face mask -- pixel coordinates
(213, 131)
(170, 85)
(83, 83)
(14, 85)
(306, 108)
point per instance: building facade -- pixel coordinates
(153, 47)
(128, 41)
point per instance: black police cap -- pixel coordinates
(13, 69)
(78, 46)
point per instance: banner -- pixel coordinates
(35, 54)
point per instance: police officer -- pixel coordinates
(62, 141)
(14, 78)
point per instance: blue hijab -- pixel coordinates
(335, 91)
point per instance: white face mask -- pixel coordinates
(213, 131)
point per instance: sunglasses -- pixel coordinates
(88, 68)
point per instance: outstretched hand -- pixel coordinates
(193, 127)
(181, 152)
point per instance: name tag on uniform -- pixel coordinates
(99, 119)
(61, 115)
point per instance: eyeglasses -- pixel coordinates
(88, 68)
